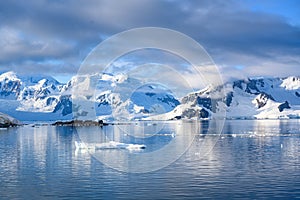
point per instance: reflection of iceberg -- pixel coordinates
(108, 145)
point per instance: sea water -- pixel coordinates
(250, 159)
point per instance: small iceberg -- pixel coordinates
(108, 145)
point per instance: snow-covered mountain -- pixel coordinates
(27, 97)
(10, 86)
(271, 97)
(257, 98)
(43, 98)
(118, 97)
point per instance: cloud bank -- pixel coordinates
(244, 38)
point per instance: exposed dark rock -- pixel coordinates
(297, 94)
(7, 121)
(191, 113)
(262, 99)
(10, 88)
(145, 111)
(177, 117)
(64, 104)
(283, 106)
(42, 94)
(7, 124)
(238, 84)
(229, 98)
(51, 100)
(205, 102)
(102, 99)
(251, 87)
(80, 123)
(203, 113)
(102, 123)
(150, 94)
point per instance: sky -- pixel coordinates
(245, 38)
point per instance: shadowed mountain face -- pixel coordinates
(28, 98)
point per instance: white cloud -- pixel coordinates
(16, 45)
(36, 31)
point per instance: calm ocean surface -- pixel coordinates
(251, 159)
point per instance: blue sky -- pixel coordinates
(244, 38)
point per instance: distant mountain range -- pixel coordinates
(257, 98)
(42, 98)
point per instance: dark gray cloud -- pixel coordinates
(55, 36)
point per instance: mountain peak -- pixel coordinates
(109, 95)
(291, 83)
(10, 75)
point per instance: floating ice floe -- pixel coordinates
(108, 145)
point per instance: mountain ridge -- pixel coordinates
(31, 98)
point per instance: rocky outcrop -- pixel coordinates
(283, 106)
(262, 99)
(64, 105)
(7, 121)
(80, 123)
